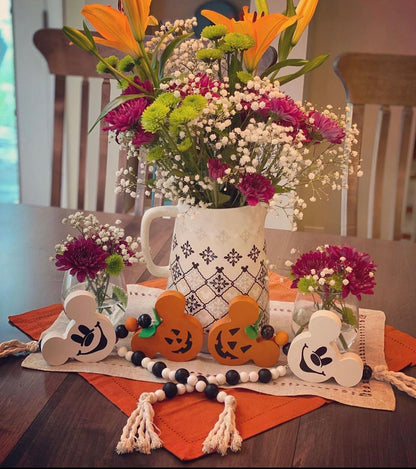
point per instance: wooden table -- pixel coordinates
(41, 424)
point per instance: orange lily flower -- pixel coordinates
(114, 27)
(304, 11)
(137, 12)
(263, 29)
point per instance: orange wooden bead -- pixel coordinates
(281, 338)
(131, 324)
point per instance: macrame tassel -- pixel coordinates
(139, 432)
(224, 435)
(400, 380)
(15, 346)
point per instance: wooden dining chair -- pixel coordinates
(381, 93)
(66, 61)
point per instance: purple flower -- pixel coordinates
(127, 115)
(312, 260)
(216, 169)
(256, 188)
(324, 128)
(284, 111)
(82, 257)
(358, 269)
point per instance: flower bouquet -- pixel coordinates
(94, 260)
(211, 127)
(332, 278)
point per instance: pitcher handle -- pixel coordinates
(148, 216)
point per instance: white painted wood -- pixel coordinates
(89, 336)
(314, 356)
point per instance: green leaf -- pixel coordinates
(348, 316)
(251, 331)
(157, 317)
(283, 63)
(311, 65)
(148, 332)
(120, 295)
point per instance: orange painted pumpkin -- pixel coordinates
(229, 344)
(179, 335)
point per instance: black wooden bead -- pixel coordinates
(232, 377)
(267, 331)
(170, 389)
(157, 369)
(367, 372)
(182, 375)
(211, 390)
(285, 348)
(137, 358)
(202, 378)
(265, 375)
(121, 331)
(144, 320)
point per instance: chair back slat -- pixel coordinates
(385, 83)
(82, 171)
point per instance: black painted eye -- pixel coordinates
(88, 339)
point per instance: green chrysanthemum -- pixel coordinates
(214, 32)
(126, 64)
(155, 154)
(103, 68)
(167, 99)
(337, 278)
(305, 283)
(154, 116)
(196, 101)
(182, 115)
(209, 55)
(237, 41)
(115, 264)
(185, 145)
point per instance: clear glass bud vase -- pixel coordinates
(110, 293)
(347, 310)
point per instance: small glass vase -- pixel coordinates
(110, 293)
(346, 308)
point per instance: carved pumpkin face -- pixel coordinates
(178, 337)
(228, 342)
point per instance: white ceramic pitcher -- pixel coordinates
(216, 254)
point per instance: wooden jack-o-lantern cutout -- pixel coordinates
(89, 336)
(178, 337)
(229, 343)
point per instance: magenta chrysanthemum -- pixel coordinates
(284, 111)
(256, 188)
(325, 128)
(312, 261)
(82, 257)
(216, 169)
(200, 84)
(127, 115)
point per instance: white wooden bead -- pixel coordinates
(212, 379)
(160, 394)
(244, 378)
(128, 355)
(121, 352)
(145, 361)
(229, 399)
(221, 379)
(153, 397)
(181, 388)
(172, 375)
(275, 373)
(253, 376)
(189, 388)
(165, 373)
(192, 380)
(282, 370)
(200, 386)
(221, 396)
(149, 365)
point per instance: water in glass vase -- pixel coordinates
(110, 293)
(346, 309)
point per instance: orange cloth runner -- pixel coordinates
(181, 433)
